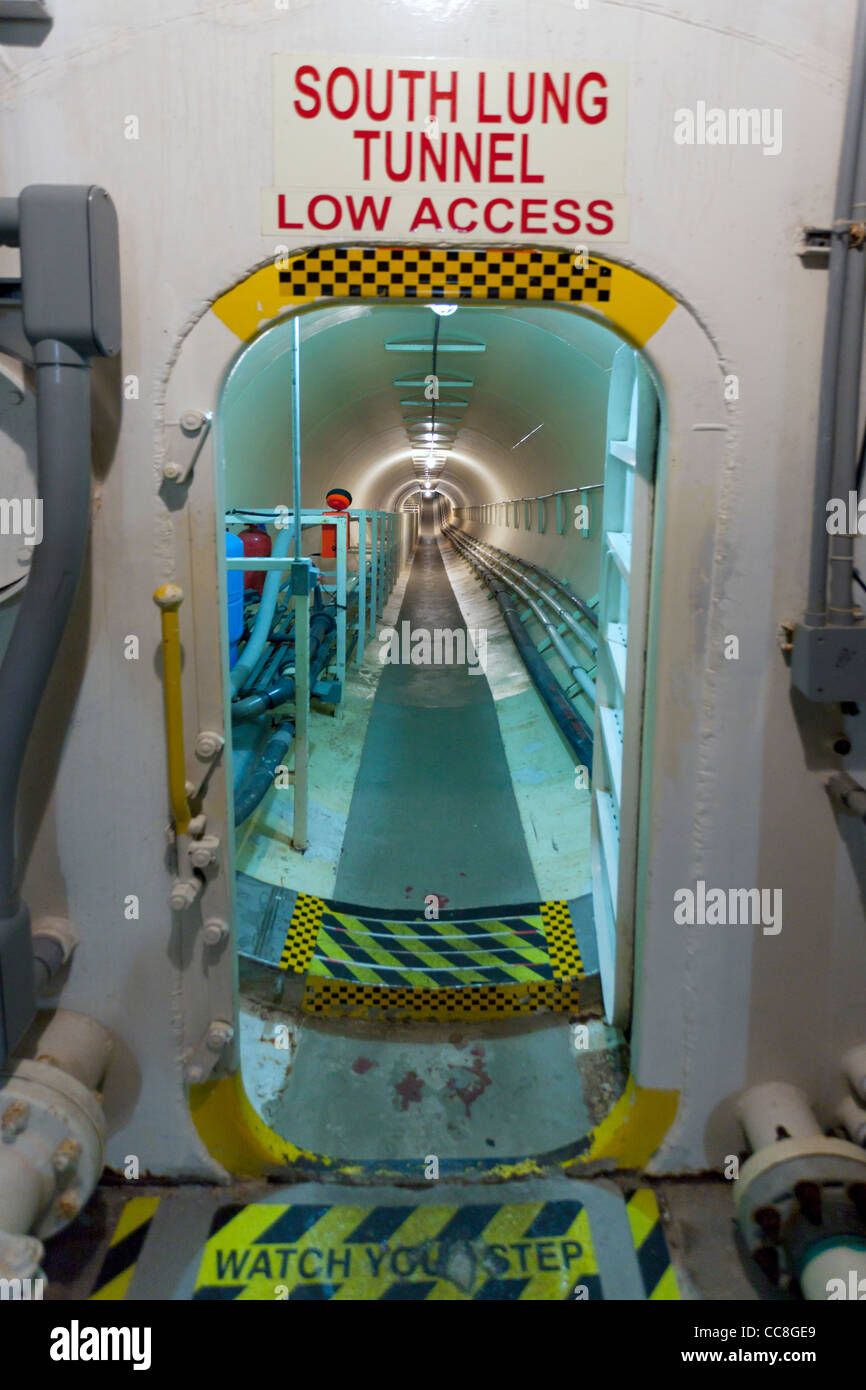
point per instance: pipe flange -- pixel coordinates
(21, 1257)
(796, 1194)
(57, 1132)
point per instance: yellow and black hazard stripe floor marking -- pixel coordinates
(124, 1249)
(495, 966)
(429, 954)
(657, 1272)
(481, 1251)
(414, 272)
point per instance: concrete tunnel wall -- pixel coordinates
(713, 1013)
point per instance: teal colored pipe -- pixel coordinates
(251, 653)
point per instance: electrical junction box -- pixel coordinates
(829, 663)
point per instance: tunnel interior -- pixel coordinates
(432, 959)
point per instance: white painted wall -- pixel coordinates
(737, 795)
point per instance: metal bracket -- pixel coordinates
(185, 440)
(814, 248)
(327, 690)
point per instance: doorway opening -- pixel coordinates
(477, 626)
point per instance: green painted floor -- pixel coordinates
(434, 809)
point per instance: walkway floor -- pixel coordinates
(434, 810)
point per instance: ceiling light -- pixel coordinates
(443, 309)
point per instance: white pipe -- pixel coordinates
(52, 1126)
(852, 1118)
(243, 668)
(835, 1272)
(854, 1067)
(77, 1045)
(22, 1190)
(776, 1111)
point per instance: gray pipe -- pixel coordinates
(296, 431)
(63, 475)
(259, 701)
(63, 464)
(840, 602)
(831, 363)
(262, 778)
(49, 957)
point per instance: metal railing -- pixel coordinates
(500, 513)
(366, 567)
(358, 594)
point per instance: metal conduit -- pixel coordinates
(840, 595)
(574, 729)
(588, 641)
(585, 681)
(591, 617)
(834, 365)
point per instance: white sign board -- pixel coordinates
(431, 151)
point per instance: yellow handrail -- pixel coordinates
(168, 599)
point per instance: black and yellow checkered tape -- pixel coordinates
(415, 272)
(124, 1249)
(350, 1000)
(302, 934)
(635, 305)
(561, 941)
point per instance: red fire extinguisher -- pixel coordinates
(339, 499)
(256, 541)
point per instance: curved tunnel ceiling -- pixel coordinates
(526, 415)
